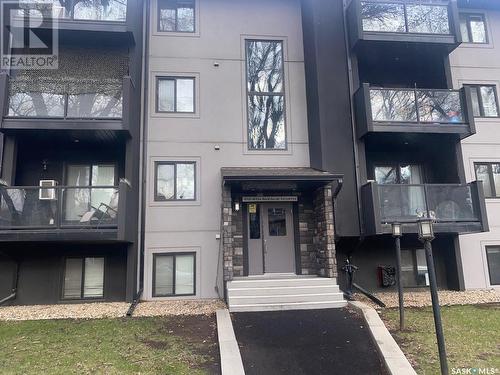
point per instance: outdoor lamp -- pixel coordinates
(396, 230)
(236, 206)
(425, 229)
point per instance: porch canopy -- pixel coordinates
(292, 178)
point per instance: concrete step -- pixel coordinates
(287, 306)
(285, 298)
(272, 290)
(280, 282)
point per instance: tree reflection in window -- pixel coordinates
(266, 102)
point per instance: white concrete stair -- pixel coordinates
(283, 292)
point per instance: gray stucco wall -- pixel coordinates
(220, 119)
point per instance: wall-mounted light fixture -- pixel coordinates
(236, 206)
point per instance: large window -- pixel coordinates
(175, 181)
(493, 257)
(473, 28)
(174, 274)
(414, 271)
(489, 173)
(175, 94)
(83, 278)
(265, 95)
(398, 174)
(484, 100)
(176, 16)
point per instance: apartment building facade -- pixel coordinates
(70, 156)
(476, 63)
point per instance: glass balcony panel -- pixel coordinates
(383, 17)
(451, 203)
(95, 105)
(27, 208)
(401, 202)
(428, 19)
(87, 206)
(440, 106)
(393, 105)
(36, 104)
(101, 10)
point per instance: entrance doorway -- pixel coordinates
(270, 231)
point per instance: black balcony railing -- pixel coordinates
(61, 207)
(454, 207)
(417, 106)
(402, 17)
(97, 104)
(83, 10)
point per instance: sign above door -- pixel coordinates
(254, 199)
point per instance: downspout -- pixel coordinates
(142, 174)
(15, 281)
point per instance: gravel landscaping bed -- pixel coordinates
(184, 307)
(446, 298)
(100, 310)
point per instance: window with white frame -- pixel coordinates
(265, 95)
(174, 274)
(83, 278)
(175, 94)
(175, 181)
(176, 16)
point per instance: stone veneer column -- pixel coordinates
(324, 232)
(227, 233)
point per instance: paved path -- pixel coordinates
(333, 341)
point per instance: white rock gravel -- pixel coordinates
(446, 298)
(100, 310)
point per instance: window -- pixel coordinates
(489, 173)
(473, 28)
(83, 278)
(254, 220)
(175, 94)
(265, 95)
(493, 258)
(399, 174)
(176, 16)
(174, 274)
(277, 222)
(175, 181)
(414, 271)
(484, 100)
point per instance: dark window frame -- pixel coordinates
(174, 255)
(158, 198)
(477, 88)
(397, 166)
(488, 262)
(174, 79)
(158, 19)
(467, 17)
(82, 286)
(270, 94)
(489, 165)
(415, 266)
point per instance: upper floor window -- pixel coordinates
(176, 16)
(398, 174)
(175, 94)
(265, 95)
(473, 28)
(489, 173)
(484, 100)
(175, 181)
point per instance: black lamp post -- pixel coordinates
(426, 235)
(397, 233)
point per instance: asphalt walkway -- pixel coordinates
(309, 342)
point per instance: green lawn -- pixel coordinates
(472, 335)
(174, 345)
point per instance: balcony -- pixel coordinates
(74, 17)
(101, 107)
(455, 208)
(398, 110)
(81, 213)
(433, 23)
